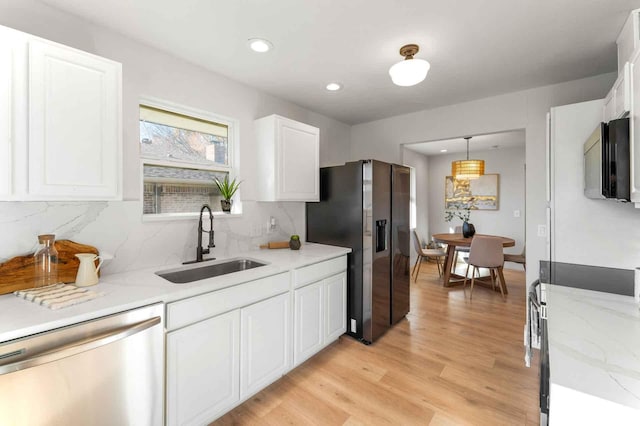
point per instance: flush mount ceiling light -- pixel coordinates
(410, 71)
(334, 87)
(443, 150)
(467, 169)
(259, 45)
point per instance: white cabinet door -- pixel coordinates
(308, 337)
(288, 154)
(628, 38)
(634, 73)
(6, 78)
(609, 106)
(298, 161)
(621, 89)
(203, 370)
(74, 124)
(265, 343)
(335, 301)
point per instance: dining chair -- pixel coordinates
(426, 254)
(518, 258)
(486, 252)
(458, 230)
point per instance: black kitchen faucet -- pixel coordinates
(199, 249)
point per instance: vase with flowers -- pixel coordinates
(468, 230)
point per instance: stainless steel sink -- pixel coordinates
(195, 274)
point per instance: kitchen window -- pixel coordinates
(183, 151)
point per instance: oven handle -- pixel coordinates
(530, 329)
(533, 298)
(533, 294)
(76, 347)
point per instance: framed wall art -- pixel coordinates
(475, 194)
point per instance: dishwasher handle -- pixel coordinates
(74, 348)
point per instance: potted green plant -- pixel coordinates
(468, 230)
(227, 190)
(294, 242)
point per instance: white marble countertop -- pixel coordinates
(128, 290)
(594, 348)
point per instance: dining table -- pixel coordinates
(458, 240)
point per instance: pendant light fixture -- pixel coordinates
(467, 169)
(410, 71)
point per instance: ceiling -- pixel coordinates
(488, 142)
(476, 48)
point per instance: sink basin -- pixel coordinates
(195, 274)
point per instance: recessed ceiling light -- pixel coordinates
(443, 150)
(260, 45)
(334, 87)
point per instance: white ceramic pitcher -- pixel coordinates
(87, 271)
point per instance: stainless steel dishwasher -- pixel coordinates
(107, 371)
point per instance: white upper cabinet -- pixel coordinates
(7, 48)
(74, 123)
(634, 73)
(288, 160)
(629, 38)
(618, 100)
(64, 111)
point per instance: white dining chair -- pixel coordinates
(426, 254)
(486, 252)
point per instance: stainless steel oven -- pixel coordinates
(537, 331)
(107, 371)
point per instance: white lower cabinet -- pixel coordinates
(224, 346)
(265, 337)
(308, 322)
(335, 306)
(320, 315)
(203, 369)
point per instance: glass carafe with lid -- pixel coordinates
(46, 261)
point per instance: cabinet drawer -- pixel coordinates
(318, 271)
(197, 308)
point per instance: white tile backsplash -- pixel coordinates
(117, 228)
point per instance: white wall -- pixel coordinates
(526, 109)
(509, 164)
(152, 73)
(586, 231)
(420, 165)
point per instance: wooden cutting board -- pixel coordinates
(18, 273)
(276, 245)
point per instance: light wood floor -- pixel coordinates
(450, 362)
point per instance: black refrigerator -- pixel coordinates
(364, 205)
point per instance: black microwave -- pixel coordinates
(606, 162)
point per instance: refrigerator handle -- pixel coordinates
(381, 235)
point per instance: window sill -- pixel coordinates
(162, 217)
